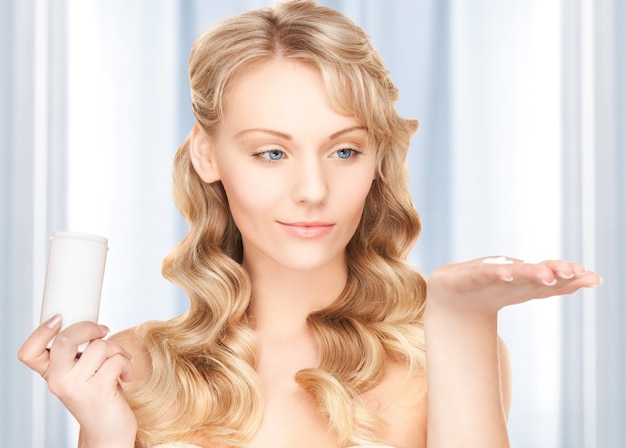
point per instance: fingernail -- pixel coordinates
(507, 279)
(104, 329)
(53, 321)
(566, 276)
(599, 282)
(550, 283)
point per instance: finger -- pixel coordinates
(518, 272)
(65, 346)
(33, 352)
(563, 269)
(116, 366)
(565, 272)
(560, 277)
(566, 269)
(96, 354)
(500, 266)
(587, 279)
(494, 269)
(537, 272)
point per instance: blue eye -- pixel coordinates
(345, 153)
(274, 154)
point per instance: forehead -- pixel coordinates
(283, 93)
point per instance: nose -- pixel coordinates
(310, 183)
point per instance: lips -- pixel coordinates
(306, 229)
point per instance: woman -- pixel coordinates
(306, 326)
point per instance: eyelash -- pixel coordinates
(353, 152)
(262, 155)
(265, 157)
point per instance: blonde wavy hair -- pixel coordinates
(203, 379)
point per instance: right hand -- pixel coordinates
(88, 386)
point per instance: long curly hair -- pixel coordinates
(203, 380)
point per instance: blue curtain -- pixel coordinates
(594, 209)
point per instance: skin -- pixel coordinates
(285, 157)
(461, 325)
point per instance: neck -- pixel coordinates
(283, 298)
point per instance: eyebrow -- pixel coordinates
(289, 137)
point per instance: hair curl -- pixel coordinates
(204, 381)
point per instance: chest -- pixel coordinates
(289, 416)
(291, 419)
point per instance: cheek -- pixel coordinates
(354, 197)
(364, 189)
(248, 198)
(359, 187)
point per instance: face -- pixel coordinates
(295, 171)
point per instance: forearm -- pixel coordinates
(465, 403)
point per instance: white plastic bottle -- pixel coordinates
(74, 277)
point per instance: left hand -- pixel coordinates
(485, 285)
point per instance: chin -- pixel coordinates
(310, 261)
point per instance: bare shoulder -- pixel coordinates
(401, 400)
(132, 341)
